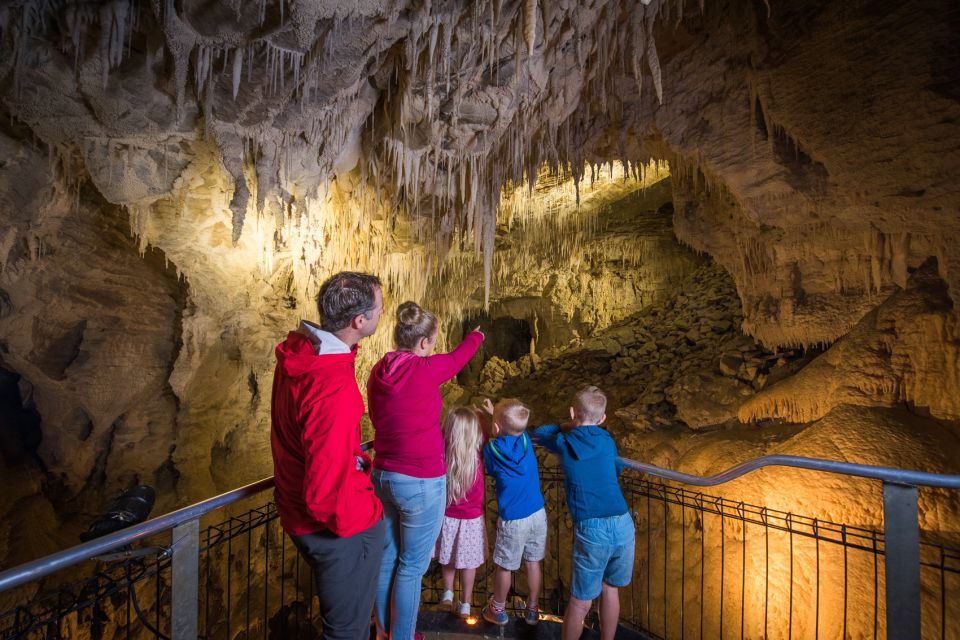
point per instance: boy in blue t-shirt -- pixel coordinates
(604, 536)
(522, 525)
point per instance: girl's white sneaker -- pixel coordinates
(464, 610)
(447, 599)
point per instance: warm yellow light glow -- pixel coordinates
(348, 225)
(543, 231)
(286, 250)
(471, 620)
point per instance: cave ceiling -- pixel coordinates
(813, 144)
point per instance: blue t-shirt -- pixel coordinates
(588, 456)
(512, 462)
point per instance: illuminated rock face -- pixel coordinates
(568, 271)
(816, 175)
(93, 329)
(792, 582)
(255, 148)
(815, 169)
(887, 359)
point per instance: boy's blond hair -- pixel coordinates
(590, 405)
(511, 416)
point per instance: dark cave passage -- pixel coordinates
(20, 432)
(507, 338)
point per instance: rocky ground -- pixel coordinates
(689, 391)
(681, 362)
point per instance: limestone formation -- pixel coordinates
(178, 178)
(884, 360)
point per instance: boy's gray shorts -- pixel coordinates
(521, 539)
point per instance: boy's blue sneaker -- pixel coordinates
(493, 615)
(532, 615)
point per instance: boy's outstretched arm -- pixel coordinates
(486, 427)
(546, 437)
(618, 462)
(485, 417)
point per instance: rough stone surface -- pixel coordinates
(703, 400)
(653, 372)
(868, 435)
(886, 359)
(253, 148)
(92, 332)
(808, 179)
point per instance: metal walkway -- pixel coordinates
(440, 624)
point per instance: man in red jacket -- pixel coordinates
(323, 491)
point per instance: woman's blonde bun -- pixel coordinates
(409, 313)
(413, 323)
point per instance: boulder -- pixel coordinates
(704, 400)
(730, 363)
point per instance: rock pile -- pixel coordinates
(681, 360)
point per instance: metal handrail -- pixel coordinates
(887, 474)
(42, 567)
(47, 565)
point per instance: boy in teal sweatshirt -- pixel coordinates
(604, 536)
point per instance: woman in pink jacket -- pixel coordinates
(409, 473)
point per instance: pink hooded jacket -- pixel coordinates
(403, 393)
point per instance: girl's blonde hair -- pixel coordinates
(462, 439)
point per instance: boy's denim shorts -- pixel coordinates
(602, 553)
(520, 539)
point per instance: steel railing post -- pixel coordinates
(184, 604)
(901, 532)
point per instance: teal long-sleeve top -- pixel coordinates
(588, 456)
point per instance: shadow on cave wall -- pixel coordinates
(20, 433)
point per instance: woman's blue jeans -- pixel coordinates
(413, 513)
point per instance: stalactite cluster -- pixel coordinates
(439, 106)
(447, 101)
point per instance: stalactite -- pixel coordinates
(447, 58)
(653, 61)
(530, 24)
(237, 70)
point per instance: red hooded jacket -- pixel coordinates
(315, 437)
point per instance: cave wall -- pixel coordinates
(252, 152)
(571, 270)
(821, 164)
(91, 328)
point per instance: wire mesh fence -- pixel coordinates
(705, 567)
(710, 567)
(126, 598)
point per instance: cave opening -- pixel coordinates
(506, 338)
